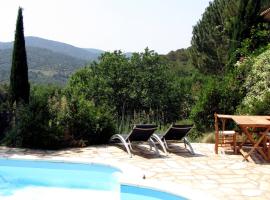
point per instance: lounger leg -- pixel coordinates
(120, 137)
(155, 137)
(190, 147)
(153, 144)
(150, 144)
(129, 144)
(166, 145)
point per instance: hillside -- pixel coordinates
(58, 47)
(45, 66)
(181, 62)
(48, 61)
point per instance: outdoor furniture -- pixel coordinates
(249, 125)
(175, 133)
(139, 133)
(224, 138)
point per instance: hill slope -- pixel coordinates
(45, 66)
(48, 61)
(59, 47)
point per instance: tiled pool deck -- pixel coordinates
(222, 176)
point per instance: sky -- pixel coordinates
(127, 25)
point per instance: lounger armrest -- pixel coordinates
(146, 129)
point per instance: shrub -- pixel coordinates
(52, 121)
(257, 85)
(206, 105)
(88, 124)
(36, 126)
(221, 95)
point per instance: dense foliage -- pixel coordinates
(36, 125)
(53, 121)
(227, 31)
(225, 45)
(139, 89)
(257, 85)
(211, 37)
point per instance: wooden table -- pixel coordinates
(248, 124)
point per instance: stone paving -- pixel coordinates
(222, 176)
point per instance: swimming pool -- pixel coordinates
(22, 179)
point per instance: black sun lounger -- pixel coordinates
(139, 133)
(175, 133)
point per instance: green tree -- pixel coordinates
(137, 89)
(211, 37)
(228, 30)
(247, 17)
(19, 85)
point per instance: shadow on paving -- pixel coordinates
(145, 152)
(142, 151)
(256, 157)
(179, 150)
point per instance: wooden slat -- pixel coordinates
(252, 121)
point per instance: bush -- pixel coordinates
(52, 121)
(208, 103)
(257, 85)
(220, 95)
(36, 124)
(88, 124)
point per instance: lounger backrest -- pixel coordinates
(177, 132)
(141, 132)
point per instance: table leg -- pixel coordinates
(255, 147)
(256, 144)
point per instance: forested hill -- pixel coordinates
(45, 66)
(58, 47)
(48, 61)
(181, 63)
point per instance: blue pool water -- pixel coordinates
(135, 193)
(21, 179)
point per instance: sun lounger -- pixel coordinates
(139, 133)
(175, 133)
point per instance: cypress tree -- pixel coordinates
(19, 85)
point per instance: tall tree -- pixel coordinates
(210, 40)
(248, 15)
(19, 85)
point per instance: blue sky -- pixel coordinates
(128, 25)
